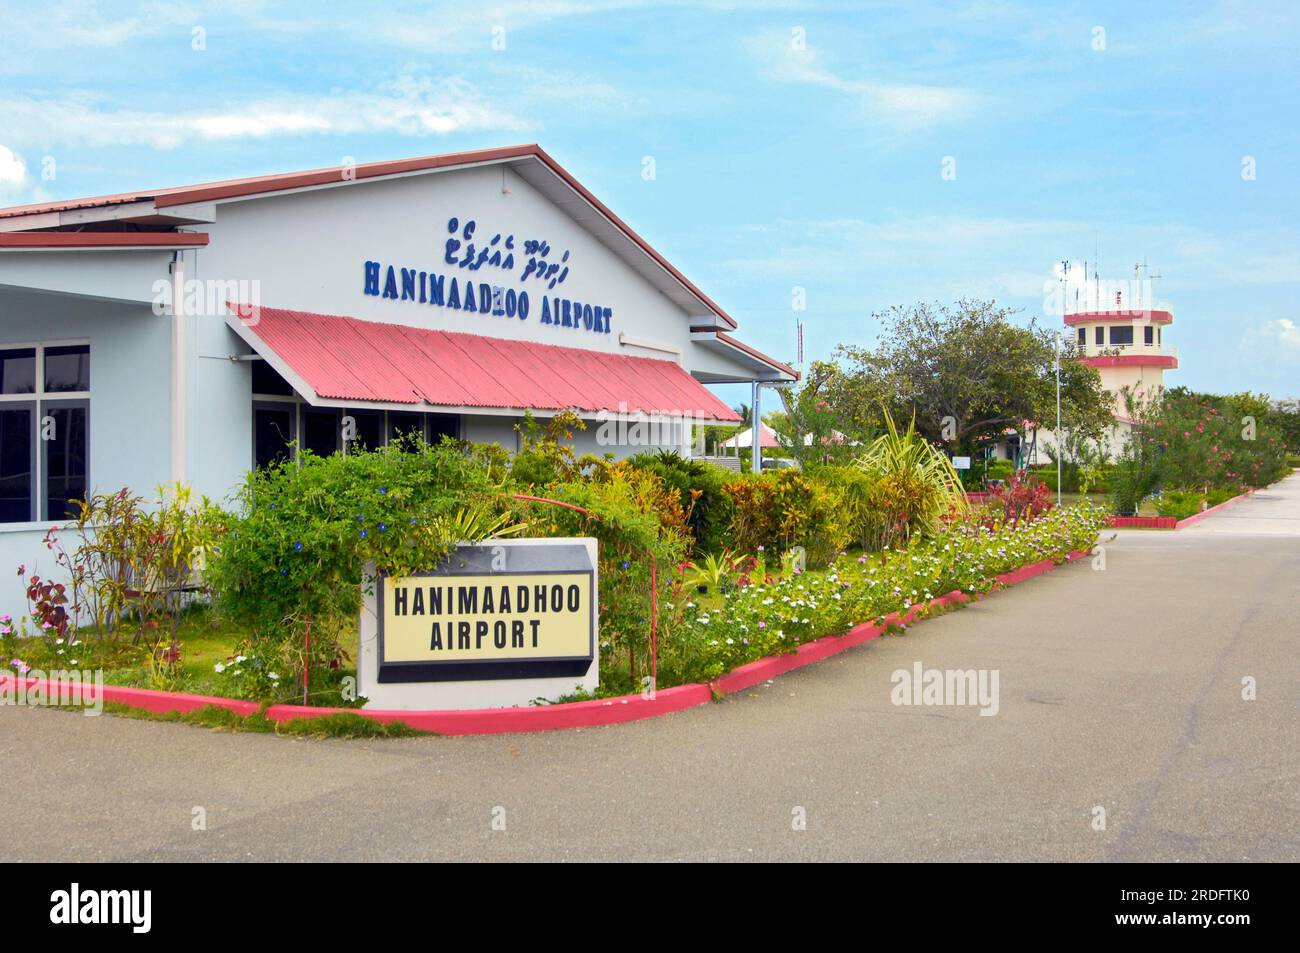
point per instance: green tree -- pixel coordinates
(967, 373)
(812, 426)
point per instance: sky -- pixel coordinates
(852, 156)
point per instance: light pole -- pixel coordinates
(1060, 440)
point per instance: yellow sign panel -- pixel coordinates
(488, 617)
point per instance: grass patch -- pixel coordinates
(216, 718)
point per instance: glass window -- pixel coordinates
(443, 425)
(1148, 335)
(67, 369)
(266, 380)
(17, 463)
(321, 431)
(369, 432)
(273, 433)
(1099, 336)
(1121, 334)
(18, 371)
(400, 423)
(44, 444)
(64, 443)
(1083, 337)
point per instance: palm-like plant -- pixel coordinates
(910, 485)
(475, 522)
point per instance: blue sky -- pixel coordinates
(794, 144)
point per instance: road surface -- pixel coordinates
(1120, 690)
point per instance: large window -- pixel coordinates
(283, 421)
(1121, 334)
(44, 431)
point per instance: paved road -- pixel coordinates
(1119, 689)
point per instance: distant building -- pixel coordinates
(1118, 328)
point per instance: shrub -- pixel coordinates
(1204, 440)
(913, 484)
(775, 511)
(632, 515)
(297, 548)
(1023, 497)
(700, 490)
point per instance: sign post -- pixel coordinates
(498, 624)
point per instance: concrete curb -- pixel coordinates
(1171, 522)
(585, 714)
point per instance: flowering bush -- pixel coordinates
(250, 674)
(1204, 441)
(761, 620)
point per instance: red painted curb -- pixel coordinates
(1197, 517)
(1172, 522)
(586, 714)
(493, 721)
(1143, 522)
(148, 699)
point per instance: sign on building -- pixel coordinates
(498, 624)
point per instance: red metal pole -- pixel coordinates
(306, 662)
(654, 586)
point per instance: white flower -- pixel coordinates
(218, 668)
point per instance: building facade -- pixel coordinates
(188, 334)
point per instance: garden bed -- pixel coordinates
(1173, 522)
(580, 714)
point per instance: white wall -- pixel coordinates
(130, 433)
(307, 251)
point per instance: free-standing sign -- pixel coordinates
(509, 620)
(961, 463)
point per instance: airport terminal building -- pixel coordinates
(188, 334)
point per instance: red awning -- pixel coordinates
(344, 358)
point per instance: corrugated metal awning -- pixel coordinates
(340, 358)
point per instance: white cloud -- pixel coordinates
(409, 105)
(1285, 332)
(909, 104)
(13, 171)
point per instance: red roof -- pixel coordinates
(345, 358)
(102, 240)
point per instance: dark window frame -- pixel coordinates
(33, 457)
(275, 405)
(38, 401)
(60, 403)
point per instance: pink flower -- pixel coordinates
(762, 624)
